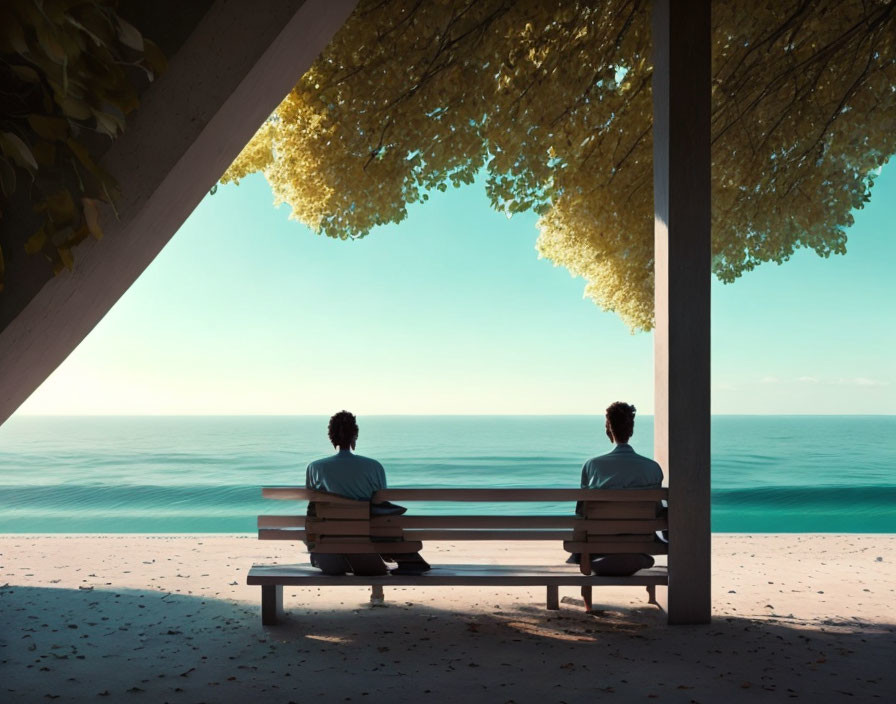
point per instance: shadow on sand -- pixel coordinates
(145, 646)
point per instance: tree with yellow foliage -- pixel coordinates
(553, 100)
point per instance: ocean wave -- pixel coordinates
(834, 497)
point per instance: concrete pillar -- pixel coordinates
(681, 187)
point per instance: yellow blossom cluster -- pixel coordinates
(553, 99)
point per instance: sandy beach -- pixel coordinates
(159, 618)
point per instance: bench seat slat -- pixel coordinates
(441, 535)
(471, 522)
(425, 535)
(454, 575)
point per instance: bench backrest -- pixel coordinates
(612, 521)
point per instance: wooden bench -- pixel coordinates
(613, 522)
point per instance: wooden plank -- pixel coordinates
(622, 538)
(381, 525)
(618, 537)
(300, 493)
(444, 535)
(331, 527)
(610, 547)
(358, 512)
(454, 575)
(424, 534)
(280, 534)
(613, 527)
(471, 522)
(621, 509)
(281, 521)
(682, 58)
(513, 495)
(330, 547)
(386, 532)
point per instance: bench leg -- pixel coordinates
(553, 597)
(586, 597)
(376, 594)
(271, 603)
(651, 594)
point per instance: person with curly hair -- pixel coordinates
(621, 468)
(345, 473)
(358, 478)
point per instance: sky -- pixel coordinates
(451, 312)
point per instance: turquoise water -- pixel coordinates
(203, 474)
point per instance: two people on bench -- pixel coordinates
(359, 478)
(356, 477)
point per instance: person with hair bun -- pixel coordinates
(621, 468)
(358, 478)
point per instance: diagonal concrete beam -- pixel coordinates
(229, 75)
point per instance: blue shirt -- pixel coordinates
(352, 476)
(623, 468)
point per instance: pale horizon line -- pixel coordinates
(420, 415)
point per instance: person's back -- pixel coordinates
(353, 477)
(621, 468)
(347, 474)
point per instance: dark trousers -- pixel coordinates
(364, 564)
(360, 564)
(618, 565)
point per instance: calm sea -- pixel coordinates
(203, 474)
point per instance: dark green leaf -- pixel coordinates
(36, 242)
(52, 128)
(7, 178)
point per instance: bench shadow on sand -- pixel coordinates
(83, 645)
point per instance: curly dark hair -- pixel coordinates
(343, 430)
(621, 421)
